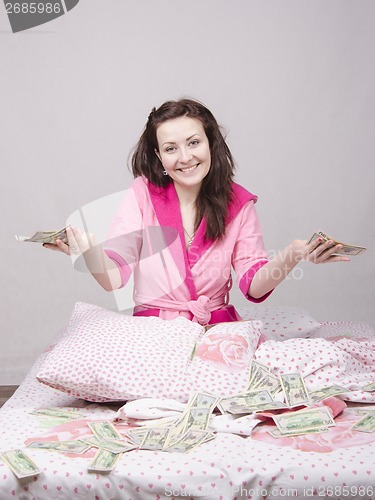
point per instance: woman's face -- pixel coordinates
(184, 151)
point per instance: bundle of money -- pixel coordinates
(260, 377)
(183, 434)
(345, 250)
(45, 236)
(249, 402)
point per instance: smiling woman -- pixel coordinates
(184, 152)
(183, 138)
(184, 187)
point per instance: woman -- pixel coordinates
(184, 224)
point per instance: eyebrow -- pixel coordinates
(187, 139)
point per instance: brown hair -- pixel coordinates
(216, 190)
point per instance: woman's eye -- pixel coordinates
(169, 149)
(194, 142)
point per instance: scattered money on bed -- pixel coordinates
(189, 440)
(77, 446)
(326, 392)
(262, 378)
(345, 250)
(45, 236)
(294, 390)
(181, 434)
(155, 438)
(365, 424)
(58, 413)
(112, 446)
(276, 433)
(362, 410)
(304, 421)
(249, 402)
(104, 430)
(104, 461)
(20, 463)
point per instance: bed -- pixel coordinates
(242, 460)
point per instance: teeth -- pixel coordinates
(188, 168)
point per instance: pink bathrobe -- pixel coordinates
(146, 237)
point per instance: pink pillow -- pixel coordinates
(107, 356)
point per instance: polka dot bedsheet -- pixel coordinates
(241, 462)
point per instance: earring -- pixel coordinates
(165, 172)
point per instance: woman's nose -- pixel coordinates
(185, 155)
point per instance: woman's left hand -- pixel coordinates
(318, 251)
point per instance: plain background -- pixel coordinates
(291, 81)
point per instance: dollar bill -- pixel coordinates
(58, 413)
(112, 446)
(326, 392)
(362, 410)
(20, 463)
(245, 403)
(45, 236)
(203, 400)
(365, 424)
(104, 430)
(104, 461)
(369, 387)
(77, 446)
(190, 440)
(350, 250)
(198, 418)
(294, 389)
(155, 438)
(273, 405)
(276, 433)
(306, 419)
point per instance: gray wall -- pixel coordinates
(292, 82)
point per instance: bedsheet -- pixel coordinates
(336, 464)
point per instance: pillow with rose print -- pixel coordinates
(108, 356)
(222, 358)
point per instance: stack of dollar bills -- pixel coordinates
(45, 236)
(346, 249)
(265, 392)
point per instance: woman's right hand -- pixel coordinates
(78, 242)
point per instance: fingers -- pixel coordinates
(321, 251)
(78, 242)
(73, 237)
